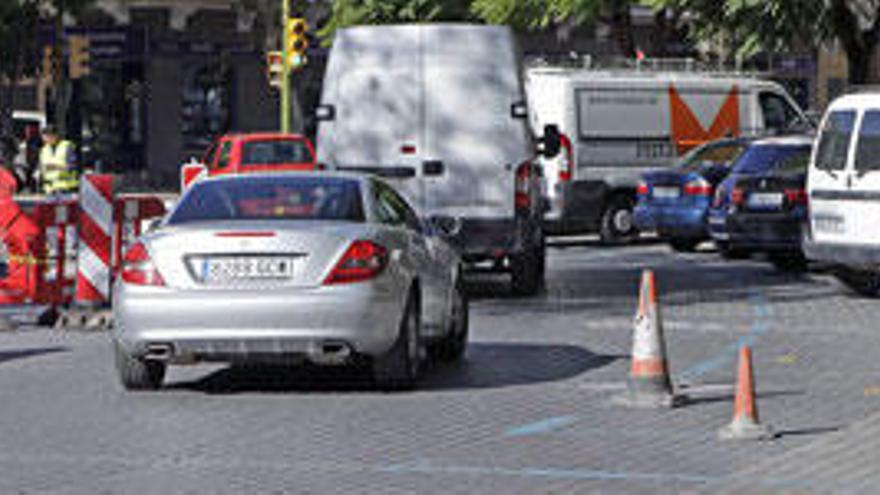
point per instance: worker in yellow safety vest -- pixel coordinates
(57, 163)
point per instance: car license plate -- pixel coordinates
(765, 200)
(666, 192)
(223, 269)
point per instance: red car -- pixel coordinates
(241, 153)
(256, 152)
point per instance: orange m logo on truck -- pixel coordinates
(687, 132)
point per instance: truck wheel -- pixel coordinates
(453, 345)
(863, 282)
(399, 368)
(527, 271)
(138, 374)
(617, 221)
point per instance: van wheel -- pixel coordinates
(617, 223)
(863, 282)
(527, 271)
(453, 345)
(136, 373)
(399, 368)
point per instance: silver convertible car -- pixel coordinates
(321, 267)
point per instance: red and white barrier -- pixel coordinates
(191, 172)
(95, 240)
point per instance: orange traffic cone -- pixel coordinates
(649, 384)
(745, 424)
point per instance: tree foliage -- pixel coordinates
(354, 12)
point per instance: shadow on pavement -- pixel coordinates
(26, 353)
(729, 397)
(487, 365)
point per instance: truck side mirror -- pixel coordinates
(551, 142)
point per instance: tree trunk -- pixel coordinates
(860, 65)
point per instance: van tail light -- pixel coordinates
(138, 268)
(738, 196)
(566, 166)
(362, 260)
(796, 196)
(523, 187)
(642, 188)
(698, 187)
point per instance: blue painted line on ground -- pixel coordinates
(762, 325)
(542, 426)
(426, 467)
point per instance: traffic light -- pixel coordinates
(296, 41)
(79, 56)
(275, 69)
(48, 63)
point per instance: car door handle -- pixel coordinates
(433, 167)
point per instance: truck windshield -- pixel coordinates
(271, 198)
(275, 152)
(765, 157)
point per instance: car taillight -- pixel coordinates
(522, 186)
(362, 260)
(138, 268)
(697, 187)
(796, 196)
(642, 188)
(737, 196)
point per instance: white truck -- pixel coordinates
(621, 123)
(440, 110)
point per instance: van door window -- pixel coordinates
(868, 150)
(834, 140)
(778, 113)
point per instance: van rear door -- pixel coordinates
(473, 144)
(374, 83)
(830, 181)
(863, 182)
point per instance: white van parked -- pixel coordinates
(843, 186)
(623, 123)
(439, 109)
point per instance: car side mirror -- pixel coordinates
(444, 225)
(325, 113)
(551, 142)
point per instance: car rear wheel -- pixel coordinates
(863, 282)
(453, 345)
(617, 223)
(789, 262)
(399, 368)
(731, 251)
(136, 373)
(684, 244)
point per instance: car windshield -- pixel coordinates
(275, 152)
(764, 157)
(271, 198)
(722, 154)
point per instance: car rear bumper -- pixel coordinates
(671, 220)
(767, 231)
(216, 325)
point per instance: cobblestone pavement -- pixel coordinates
(530, 411)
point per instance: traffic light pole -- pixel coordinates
(285, 73)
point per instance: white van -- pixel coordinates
(843, 186)
(440, 110)
(622, 123)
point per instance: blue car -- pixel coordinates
(762, 157)
(673, 202)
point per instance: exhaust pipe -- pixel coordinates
(331, 353)
(159, 352)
